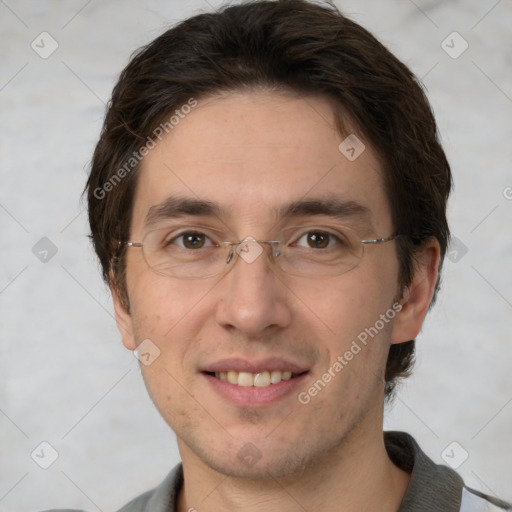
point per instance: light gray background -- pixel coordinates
(67, 380)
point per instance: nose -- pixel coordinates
(252, 298)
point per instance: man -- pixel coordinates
(267, 200)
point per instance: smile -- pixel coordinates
(259, 380)
(248, 382)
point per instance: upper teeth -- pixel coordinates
(259, 380)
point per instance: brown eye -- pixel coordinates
(318, 240)
(191, 240)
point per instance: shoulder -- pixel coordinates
(138, 504)
(434, 487)
(161, 499)
(475, 501)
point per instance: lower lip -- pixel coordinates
(252, 396)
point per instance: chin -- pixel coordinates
(257, 465)
(259, 458)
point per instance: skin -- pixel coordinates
(252, 152)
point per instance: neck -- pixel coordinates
(357, 475)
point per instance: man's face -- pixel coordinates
(253, 155)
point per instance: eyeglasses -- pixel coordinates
(196, 253)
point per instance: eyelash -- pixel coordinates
(184, 233)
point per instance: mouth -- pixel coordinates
(261, 379)
(249, 383)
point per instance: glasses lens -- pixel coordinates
(187, 255)
(320, 252)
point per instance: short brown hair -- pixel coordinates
(278, 45)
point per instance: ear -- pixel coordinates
(418, 295)
(122, 315)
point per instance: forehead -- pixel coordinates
(253, 153)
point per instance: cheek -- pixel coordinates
(159, 302)
(351, 307)
(351, 302)
(169, 312)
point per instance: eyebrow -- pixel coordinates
(174, 207)
(332, 206)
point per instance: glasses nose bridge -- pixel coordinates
(249, 249)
